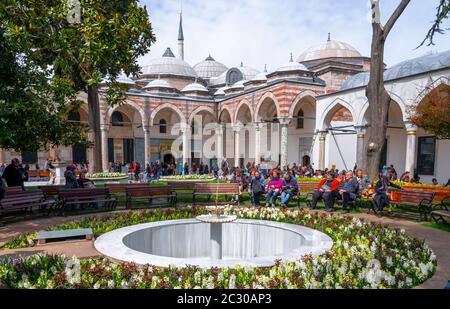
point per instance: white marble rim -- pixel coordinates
(111, 245)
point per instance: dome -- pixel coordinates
(159, 83)
(329, 49)
(248, 72)
(195, 87)
(292, 66)
(221, 91)
(121, 79)
(209, 68)
(261, 77)
(239, 85)
(219, 80)
(168, 64)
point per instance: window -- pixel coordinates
(300, 119)
(163, 126)
(426, 156)
(79, 155)
(128, 150)
(29, 157)
(111, 150)
(74, 116)
(117, 119)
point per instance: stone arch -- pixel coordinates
(334, 107)
(133, 105)
(241, 105)
(225, 109)
(202, 109)
(362, 115)
(168, 106)
(298, 99)
(262, 100)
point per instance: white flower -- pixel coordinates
(232, 282)
(409, 281)
(111, 284)
(389, 261)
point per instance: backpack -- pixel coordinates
(256, 186)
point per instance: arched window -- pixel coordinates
(301, 119)
(117, 119)
(74, 116)
(162, 126)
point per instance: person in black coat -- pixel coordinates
(381, 198)
(12, 175)
(348, 191)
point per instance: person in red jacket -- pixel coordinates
(326, 190)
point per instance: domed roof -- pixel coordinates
(221, 91)
(168, 64)
(159, 83)
(121, 79)
(329, 49)
(248, 72)
(209, 68)
(195, 87)
(423, 64)
(238, 85)
(292, 66)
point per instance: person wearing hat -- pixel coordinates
(326, 190)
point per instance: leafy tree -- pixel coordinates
(441, 15)
(85, 41)
(433, 113)
(33, 107)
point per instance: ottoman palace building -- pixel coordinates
(312, 110)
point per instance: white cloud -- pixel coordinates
(260, 32)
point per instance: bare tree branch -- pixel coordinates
(393, 19)
(442, 13)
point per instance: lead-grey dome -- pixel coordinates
(195, 87)
(423, 64)
(209, 68)
(168, 65)
(329, 49)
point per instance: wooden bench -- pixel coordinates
(13, 190)
(440, 212)
(421, 200)
(146, 195)
(25, 201)
(210, 189)
(51, 191)
(182, 188)
(120, 190)
(88, 197)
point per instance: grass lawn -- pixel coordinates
(440, 226)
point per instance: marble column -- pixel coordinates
(219, 144)
(257, 144)
(322, 139)
(146, 144)
(360, 149)
(185, 130)
(411, 147)
(90, 153)
(237, 150)
(284, 123)
(104, 143)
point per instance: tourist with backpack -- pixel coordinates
(256, 187)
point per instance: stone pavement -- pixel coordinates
(438, 240)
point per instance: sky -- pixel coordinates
(259, 32)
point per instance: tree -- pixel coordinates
(433, 113)
(107, 38)
(379, 99)
(33, 106)
(442, 14)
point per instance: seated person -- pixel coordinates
(273, 188)
(348, 191)
(256, 187)
(363, 182)
(326, 190)
(290, 188)
(381, 197)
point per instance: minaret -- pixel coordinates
(181, 38)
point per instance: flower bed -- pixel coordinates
(107, 176)
(364, 255)
(197, 178)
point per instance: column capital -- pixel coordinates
(284, 121)
(146, 128)
(184, 128)
(237, 127)
(411, 129)
(361, 131)
(104, 127)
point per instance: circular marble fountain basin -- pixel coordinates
(187, 242)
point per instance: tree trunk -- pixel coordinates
(378, 103)
(94, 125)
